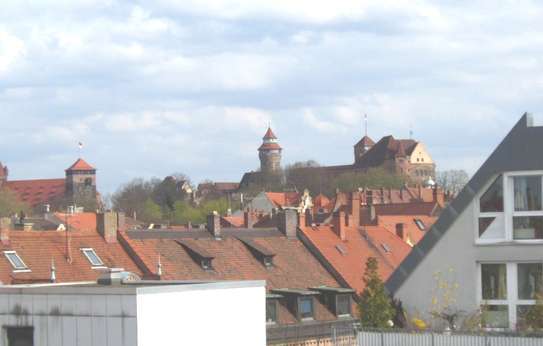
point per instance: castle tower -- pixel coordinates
(362, 147)
(270, 153)
(81, 185)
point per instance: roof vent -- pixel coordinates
(117, 276)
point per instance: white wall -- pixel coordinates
(203, 315)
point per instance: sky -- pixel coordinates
(158, 87)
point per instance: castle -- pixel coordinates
(78, 188)
(405, 157)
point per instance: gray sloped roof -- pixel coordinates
(521, 149)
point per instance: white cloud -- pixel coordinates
(11, 50)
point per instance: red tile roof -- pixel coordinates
(38, 191)
(349, 257)
(284, 199)
(270, 146)
(38, 248)
(269, 134)
(366, 142)
(80, 165)
(79, 221)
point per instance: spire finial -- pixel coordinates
(365, 124)
(410, 131)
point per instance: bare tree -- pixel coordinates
(452, 180)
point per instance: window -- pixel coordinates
(206, 264)
(20, 336)
(492, 199)
(16, 261)
(88, 181)
(93, 258)
(527, 191)
(271, 311)
(527, 227)
(343, 305)
(305, 308)
(494, 281)
(509, 290)
(530, 280)
(420, 224)
(268, 261)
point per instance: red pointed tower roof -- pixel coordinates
(269, 134)
(80, 165)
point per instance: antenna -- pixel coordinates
(410, 131)
(365, 124)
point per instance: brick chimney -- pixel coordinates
(400, 231)
(288, 223)
(302, 222)
(5, 226)
(339, 224)
(214, 224)
(354, 217)
(249, 219)
(108, 223)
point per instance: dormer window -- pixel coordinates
(16, 261)
(93, 258)
(268, 261)
(261, 253)
(305, 308)
(205, 263)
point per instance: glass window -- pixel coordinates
(15, 260)
(305, 306)
(492, 199)
(530, 280)
(484, 223)
(494, 281)
(93, 258)
(20, 336)
(343, 305)
(527, 227)
(420, 224)
(527, 193)
(495, 316)
(271, 311)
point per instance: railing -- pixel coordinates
(291, 334)
(403, 338)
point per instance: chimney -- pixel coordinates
(420, 191)
(214, 224)
(249, 219)
(108, 223)
(5, 225)
(302, 222)
(400, 231)
(354, 218)
(339, 224)
(369, 197)
(121, 220)
(288, 223)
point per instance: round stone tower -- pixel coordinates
(270, 153)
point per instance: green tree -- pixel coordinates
(10, 204)
(534, 315)
(373, 178)
(151, 211)
(374, 307)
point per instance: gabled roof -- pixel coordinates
(519, 150)
(37, 192)
(284, 199)
(80, 165)
(387, 148)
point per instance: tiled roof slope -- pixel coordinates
(38, 191)
(387, 148)
(294, 266)
(348, 257)
(38, 249)
(519, 150)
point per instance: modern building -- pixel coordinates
(485, 252)
(122, 310)
(77, 188)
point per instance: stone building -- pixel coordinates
(406, 157)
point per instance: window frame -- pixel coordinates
(274, 302)
(299, 310)
(508, 210)
(512, 301)
(16, 269)
(336, 301)
(94, 266)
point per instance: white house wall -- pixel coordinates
(72, 319)
(213, 316)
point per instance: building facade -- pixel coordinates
(485, 251)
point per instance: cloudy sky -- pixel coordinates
(155, 87)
